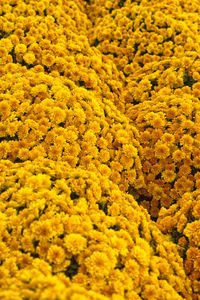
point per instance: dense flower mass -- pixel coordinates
(99, 149)
(76, 227)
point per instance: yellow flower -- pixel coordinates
(128, 69)
(131, 175)
(196, 210)
(55, 152)
(181, 223)
(6, 43)
(178, 155)
(75, 243)
(114, 209)
(148, 153)
(4, 109)
(145, 85)
(4, 274)
(70, 135)
(156, 134)
(43, 247)
(172, 112)
(29, 58)
(115, 177)
(98, 264)
(130, 150)
(104, 155)
(161, 151)
(168, 138)
(90, 137)
(20, 49)
(184, 170)
(192, 231)
(115, 196)
(102, 143)
(42, 229)
(168, 175)
(14, 39)
(122, 136)
(37, 151)
(132, 268)
(56, 254)
(40, 88)
(3, 52)
(4, 149)
(42, 266)
(157, 191)
(4, 250)
(48, 60)
(105, 170)
(157, 122)
(151, 292)
(186, 140)
(94, 126)
(58, 115)
(183, 185)
(115, 165)
(196, 162)
(141, 256)
(39, 181)
(119, 244)
(8, 27)
(126, 162)
(23, 154)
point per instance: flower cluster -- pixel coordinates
(47, 116)
(182, 223)
(152, 44)
(62, 227)
(61, 99)
(171, 150)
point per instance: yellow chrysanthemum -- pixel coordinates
(56, 254)
(20, 49)
(29, 58)
(168, 175)
(48, 60)
(98, 264)
(162, 151)
(75, 243)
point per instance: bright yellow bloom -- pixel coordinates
(192, 231)
(75, 243)
(48, 60)
(98, 264)
(130, 150)
(150, 292)
(186, 140)
(122, 136)
(56, 254)
(20, 49)
(39, 181)
(29, 58)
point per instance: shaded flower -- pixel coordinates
(161, 151)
